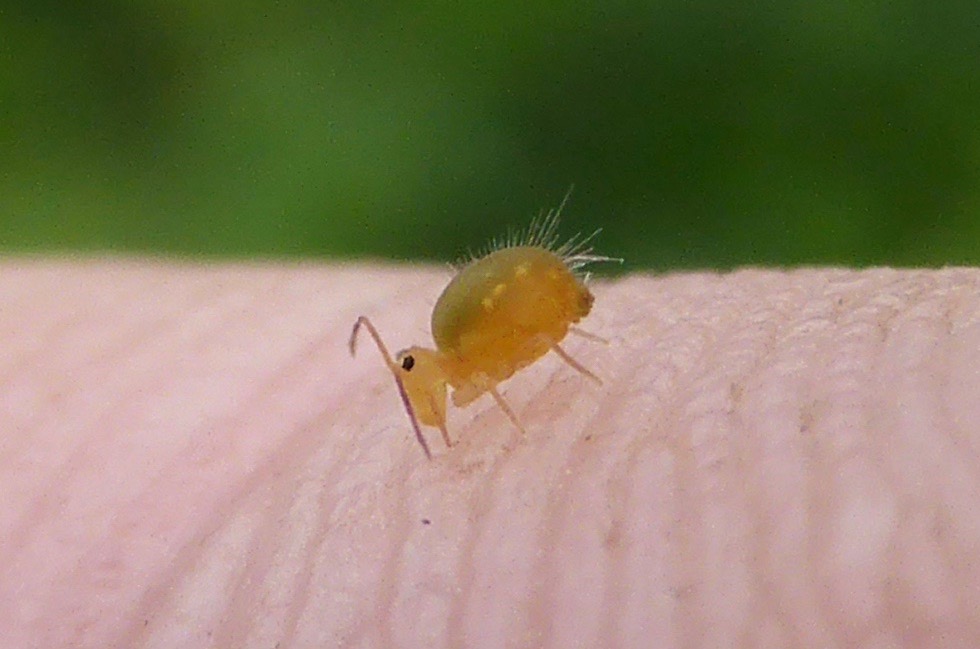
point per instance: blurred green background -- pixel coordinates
(709, 134)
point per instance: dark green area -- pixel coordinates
(697, 134)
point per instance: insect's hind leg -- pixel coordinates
(588, 335)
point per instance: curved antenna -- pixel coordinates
(363, 321)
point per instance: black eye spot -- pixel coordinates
(408, 363)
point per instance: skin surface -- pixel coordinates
(189, 457)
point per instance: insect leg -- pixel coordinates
(445, 435)
(574, 363)
(442, 423)
(588, 335)
(506, 408)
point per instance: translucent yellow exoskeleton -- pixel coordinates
(501, 312)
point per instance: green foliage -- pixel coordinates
(697, 134)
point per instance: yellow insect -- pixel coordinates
(500, 313)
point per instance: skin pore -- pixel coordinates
(774, 459)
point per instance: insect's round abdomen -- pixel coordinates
(506, 309)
